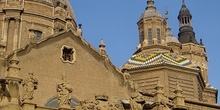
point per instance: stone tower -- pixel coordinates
(160, 57)
(194, 51)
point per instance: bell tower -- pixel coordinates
(191, 49)
(186, 34)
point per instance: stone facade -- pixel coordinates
(45, 64)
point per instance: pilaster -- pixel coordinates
(16, 34)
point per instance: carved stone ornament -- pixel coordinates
(101, 102)
(4, 93)
(30, 85)
(64, 92)
(68, 54)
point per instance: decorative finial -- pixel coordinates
(201, 42)
(183, 2)
(178, 87)
(102, 47)
(80, 26)
(166, 12)
(79, 30)
(150, 4)
(102, 44)
(179, 99)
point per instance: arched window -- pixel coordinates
(141, 36)
(35, 34)
(150, 36)
(158, 36)
(52, 102)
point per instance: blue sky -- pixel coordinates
(115, 21)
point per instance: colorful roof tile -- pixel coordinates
(153, 58)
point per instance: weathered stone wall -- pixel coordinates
(88, 75)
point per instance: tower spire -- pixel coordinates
(183, 2)
(186, 33)
(168, 29)
(169, 34)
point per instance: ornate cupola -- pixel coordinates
(151, 27)
(186, 33)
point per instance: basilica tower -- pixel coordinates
(160, 57)
(194, 51)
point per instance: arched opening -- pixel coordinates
(52, 102)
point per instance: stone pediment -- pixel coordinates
(59, 36)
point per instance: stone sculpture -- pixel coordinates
(30, 85)
(64, 91)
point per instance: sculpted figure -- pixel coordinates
(64, 91)
(127, 77)
(29, 84)
(31, 36)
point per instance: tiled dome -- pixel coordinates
(154, 58)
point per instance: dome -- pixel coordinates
(36, 19)
(151, 10)
(148, 59)
(172, 39)
(62, 4)
(184, 11)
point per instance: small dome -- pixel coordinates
(172, 39)
(151, 10)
